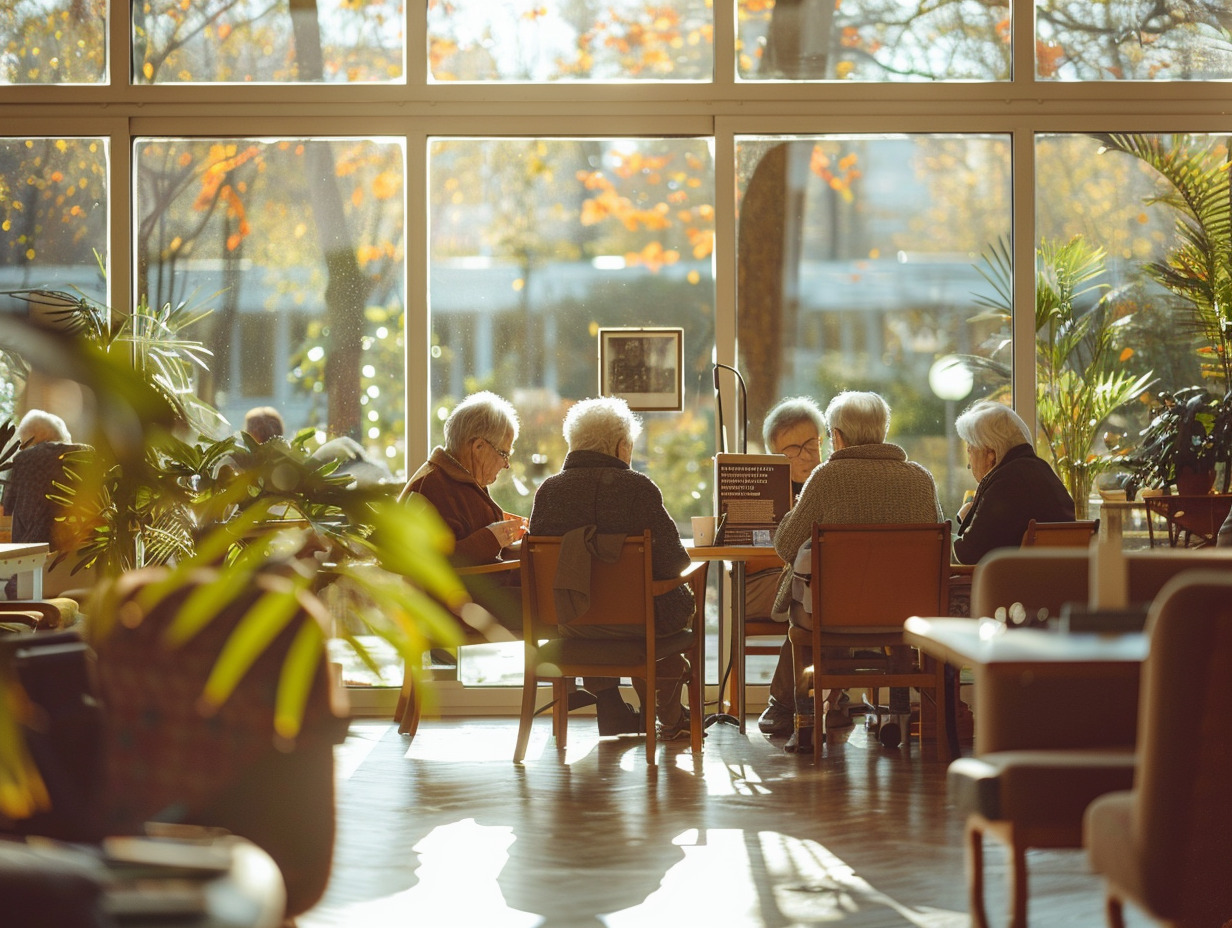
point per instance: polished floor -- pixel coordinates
(446, 831)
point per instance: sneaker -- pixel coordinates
(777, 719)
(677, 731)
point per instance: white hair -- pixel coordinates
(481, 415)
(992, 426)
(600, 425)
(789, 413)
(863, 418)
(38, 426)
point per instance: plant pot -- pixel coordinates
(1194, 483)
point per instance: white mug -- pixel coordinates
(703, 531)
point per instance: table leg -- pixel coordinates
(738, 590)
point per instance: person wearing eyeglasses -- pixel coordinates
(866, 479)
(479, 437)
(793, 427)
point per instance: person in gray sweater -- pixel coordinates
(865, 480)
(598, 486)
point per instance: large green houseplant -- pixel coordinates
(150, 495)
(1188, 435)
(1080, 373)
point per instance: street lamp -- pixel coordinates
(951, 380)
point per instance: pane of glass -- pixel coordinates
(535, 245)
(1136, 228)
(53, 42)
(53, 226)
(873, 40)
(570, 40)
(1076, 40)
(257, 41)
(295, 245)
(858, 270)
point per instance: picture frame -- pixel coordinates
(644, 367)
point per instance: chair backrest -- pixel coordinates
(1048, 578)
(1182, 813)
(871, 578)
(1059, 534)
(621, 592)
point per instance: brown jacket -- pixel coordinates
(466, 507)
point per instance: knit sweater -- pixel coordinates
(860, 484)
(600, 490)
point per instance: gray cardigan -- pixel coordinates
(860, 484)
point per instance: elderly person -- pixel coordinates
(597, 486)
(1015, 485)
(793, 428)
(43, 462)
(264, 423)
(865, 480)
(479, 437)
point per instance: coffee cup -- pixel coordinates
(703, 531)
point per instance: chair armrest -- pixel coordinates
(688, 575)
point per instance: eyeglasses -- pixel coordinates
(504, 454)
(812, 448)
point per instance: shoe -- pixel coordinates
(777, 719)
(613, 721)
(800, 742)
(678, 731)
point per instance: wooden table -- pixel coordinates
(737, 555)
(1037, 688)
(26, 560)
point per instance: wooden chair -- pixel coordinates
(410, 707)
(1059, 534)
(622, 594)
(1191, 521)
(867, 580)
(1165, 844)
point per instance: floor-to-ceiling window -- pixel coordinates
(386, 206)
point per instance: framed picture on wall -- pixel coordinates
(644, 367)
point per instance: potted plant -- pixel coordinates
(1081, 377)
(1188, 435)
(148, 495)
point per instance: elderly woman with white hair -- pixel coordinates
(479, 437)
(865, 480)
(1015, 484)
(598, 486)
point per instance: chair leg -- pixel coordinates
(412, 707)
(975, 875)
(529, 687)
(560, 712)
(697, 702)
(403, 694)
(1018, 884)
(1114, 911)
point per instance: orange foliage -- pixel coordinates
(1047, 55)
(653, 257)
